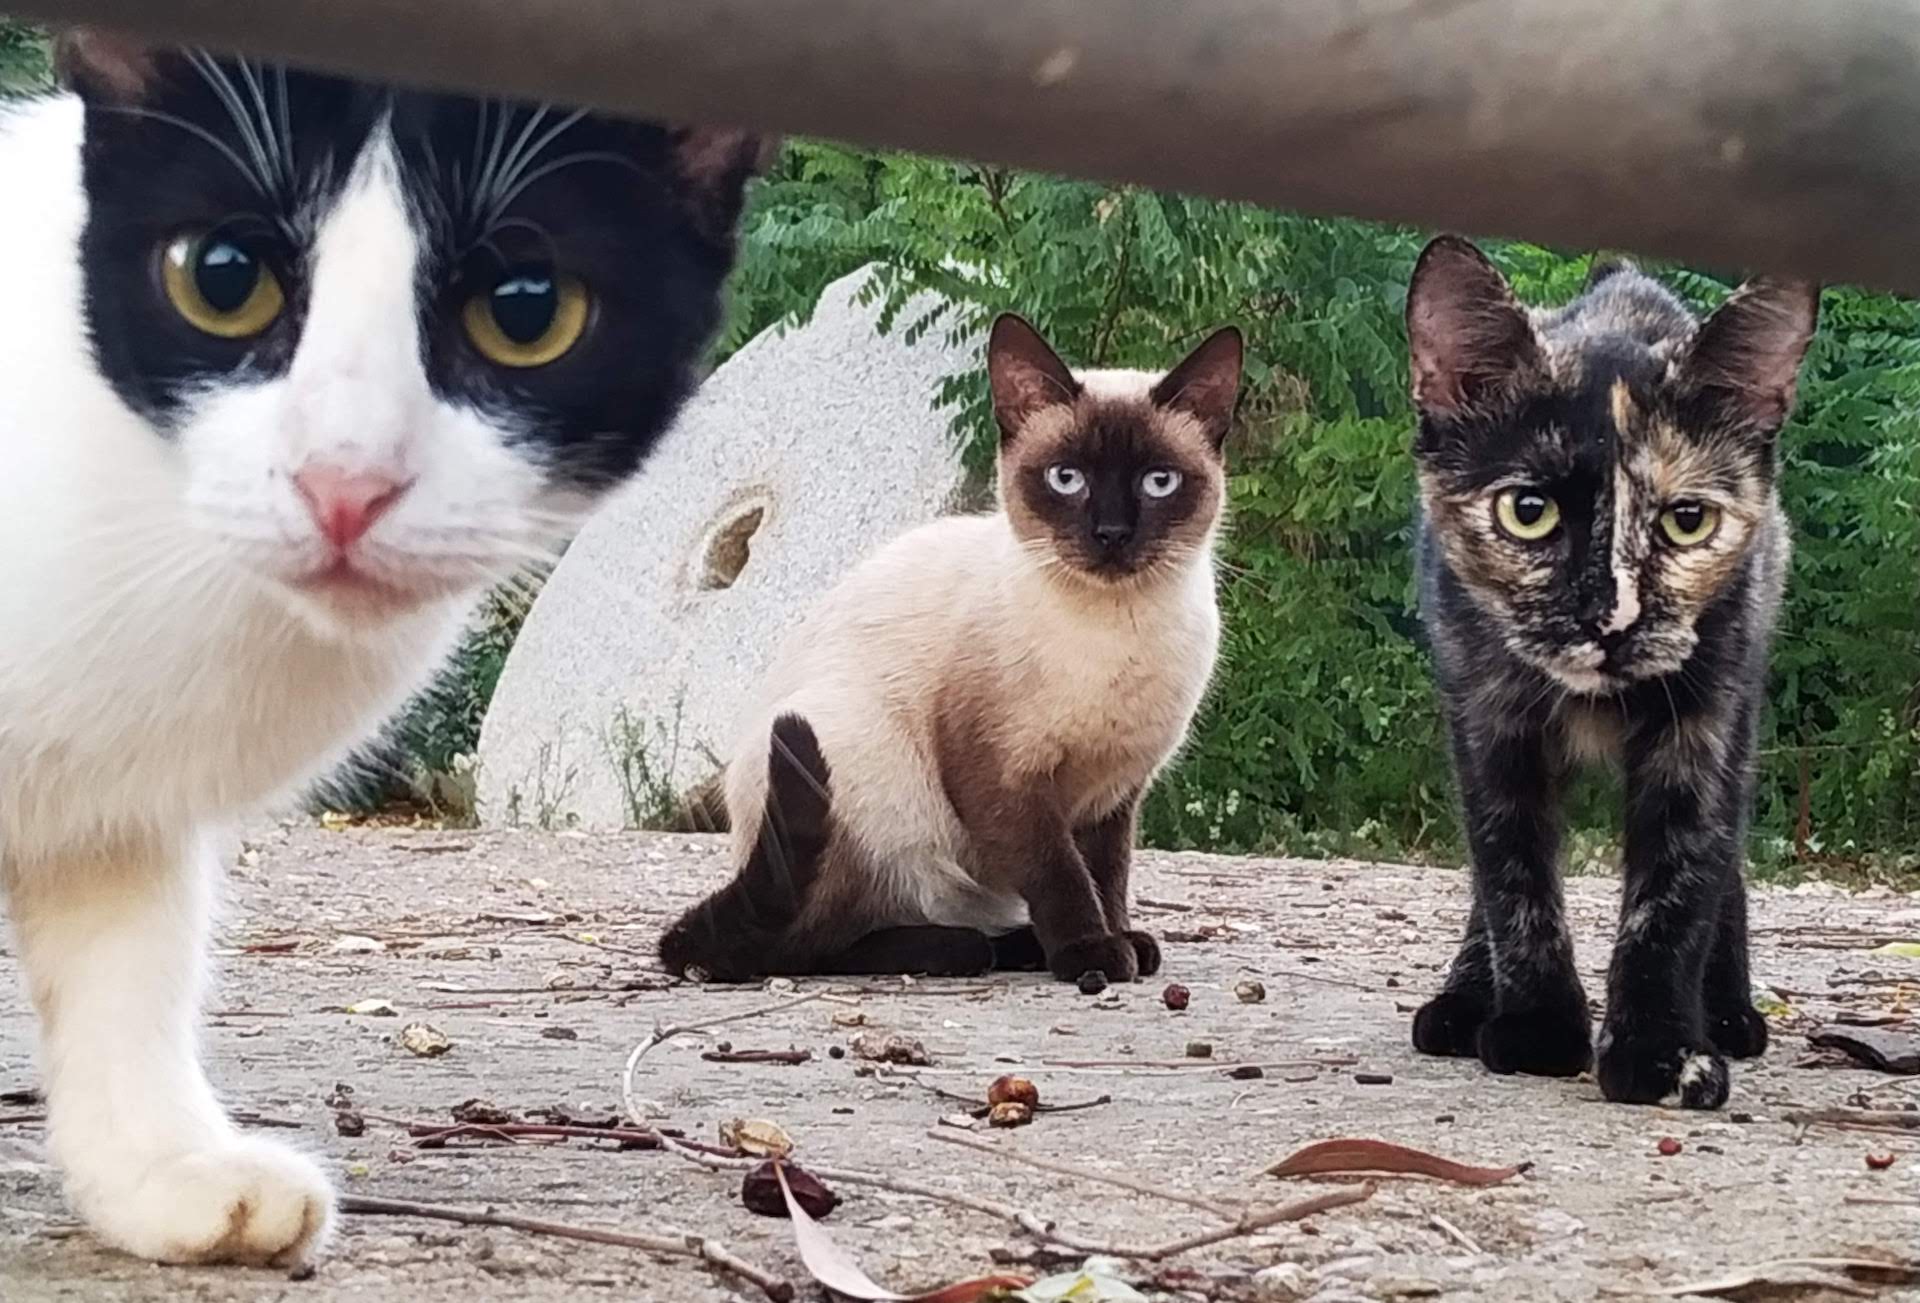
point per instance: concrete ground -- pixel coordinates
(529, 951)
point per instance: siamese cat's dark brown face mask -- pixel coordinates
(1104, 480)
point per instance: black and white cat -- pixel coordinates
(294, 366)
(1601, 557)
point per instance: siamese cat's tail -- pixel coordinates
(737, 934)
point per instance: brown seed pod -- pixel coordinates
(1879, 1162)
(1014, 1090)
(1251, 992)
(760, 1192)
(1009, 1115)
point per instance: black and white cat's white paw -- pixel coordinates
(237, 1199)
(1546, 1041)
(1450, 1023)
(1113, 957)
(1660, 1068)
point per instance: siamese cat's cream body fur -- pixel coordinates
(1095, 686)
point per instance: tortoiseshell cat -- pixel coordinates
(1601, 555)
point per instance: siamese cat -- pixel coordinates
(958, 737)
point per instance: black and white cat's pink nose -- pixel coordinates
(346, 504)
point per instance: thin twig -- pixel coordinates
(1046, 1231)
(1878, 1201)
(1855, 1119)
(1454, 1233)
(676, 1246)
(790, 1057)
(1196, 1065)
(21, 1119)
(1215, 1207)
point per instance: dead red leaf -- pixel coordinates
(1353, 1155)
(835, 1268)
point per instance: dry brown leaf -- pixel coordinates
(1351, 1155)
(835, 1268)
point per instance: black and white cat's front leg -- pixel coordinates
(1512, 996)
(1106, 845)
(113, 948)
(1683, 851)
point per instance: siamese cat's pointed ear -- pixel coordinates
(1744, 361)
(105, 66)
(1470, 340)
(1206, 384)
(1025, 374)
(713, 166)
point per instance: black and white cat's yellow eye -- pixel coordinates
(1689, 524)
(1065, 480)
(1160, 483)
(220, 286)
(527, 319)
(1527, 514)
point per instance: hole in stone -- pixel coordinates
(729, 547)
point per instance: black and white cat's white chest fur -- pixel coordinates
(296, 366)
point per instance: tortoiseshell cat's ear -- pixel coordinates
(714, 165)
(105, 66)
(1025, 374)
(1471, 341)
(1206, 384)
(1744, 362)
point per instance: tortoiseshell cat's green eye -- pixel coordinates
(1689, 524)
(1527, 514)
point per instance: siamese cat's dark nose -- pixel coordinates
(1113, 537)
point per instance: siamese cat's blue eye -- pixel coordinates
(1065, 480)
(1161, 483)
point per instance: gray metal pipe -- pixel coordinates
(1781, 135)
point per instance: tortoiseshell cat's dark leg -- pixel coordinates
(1738, 1030)
(1449, 1024)
(1513, 995)
(1107, 847)
(1682, 934)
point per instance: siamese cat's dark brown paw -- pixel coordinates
(1146, 951)
(1113, 957)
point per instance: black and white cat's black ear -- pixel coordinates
(105, 66)
(713, 166)
(1471, 341)
(1206, 384)
(1025, 374)
(1745, 358)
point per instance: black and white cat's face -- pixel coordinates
(1114, 476)
(400, 342)
(1594, 474)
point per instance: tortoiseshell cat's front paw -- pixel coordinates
(1552, 1041)
(1111, 956)
(1146, 951)
(1450, 1023)
(1739, 1033)
(1656, 1068)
